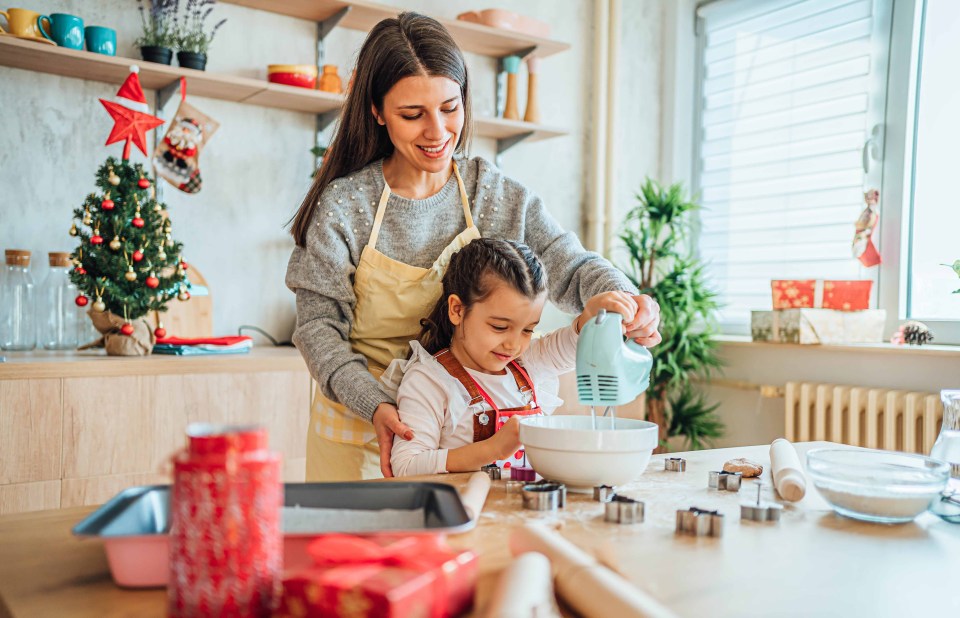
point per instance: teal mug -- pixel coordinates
(101, 40)
(67, 30)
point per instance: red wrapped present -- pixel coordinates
(821, 294)
(381, 577)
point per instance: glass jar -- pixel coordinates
(18, 320)
(947, 448)
(59, 314)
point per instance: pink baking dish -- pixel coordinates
(507, 20)
(133, 524)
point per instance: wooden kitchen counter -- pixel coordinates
(811, 563)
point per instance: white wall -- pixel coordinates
(256, 168)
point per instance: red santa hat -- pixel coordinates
(130, 94)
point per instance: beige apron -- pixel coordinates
(392, 298)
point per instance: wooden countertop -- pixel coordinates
(39, 364)
(811, 563)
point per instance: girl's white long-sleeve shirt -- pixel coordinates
(435, 405)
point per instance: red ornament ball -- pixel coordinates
(184, 265)
(143, 183)
(160, 332)
(137, 222)
(107, 204)
(80, 270)
(152, 282)
(82, 301)
(137, 255)
(96, 240)
(127, 329)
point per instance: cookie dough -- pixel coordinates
(746, 468)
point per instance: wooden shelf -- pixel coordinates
(364, 15)
(42, 58)
(31, 56)
(498, 128)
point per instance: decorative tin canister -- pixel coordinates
(225, 538)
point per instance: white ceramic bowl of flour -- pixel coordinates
(569, 450)
(877, 486)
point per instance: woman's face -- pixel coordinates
(424, 118)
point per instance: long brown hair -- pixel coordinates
(472, 275)
(410, 44)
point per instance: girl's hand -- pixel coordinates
(387, 424)
(614, 302)
(507, 440)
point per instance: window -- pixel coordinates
(934, 211)
(790, 113)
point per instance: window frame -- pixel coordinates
(682, 99)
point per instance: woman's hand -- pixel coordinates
(387, 424)
(643, 328)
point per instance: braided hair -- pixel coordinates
(472, 275)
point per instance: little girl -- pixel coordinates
(474, 370)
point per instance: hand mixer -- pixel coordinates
(610, 371)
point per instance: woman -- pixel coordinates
(393, 201)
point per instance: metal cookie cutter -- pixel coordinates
(492, 470)
(623, 510)
(700, 522)
(542, 496)
(603, 493)
(722, 479)
(563, 489)
(760, 511)
(675, 464)
(515, 487)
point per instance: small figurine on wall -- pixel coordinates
(863, 247)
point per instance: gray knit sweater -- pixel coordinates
(415, 232)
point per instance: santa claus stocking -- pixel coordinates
(177, 157)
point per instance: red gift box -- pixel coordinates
(821, 294)
(381, 577)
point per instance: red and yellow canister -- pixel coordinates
(225, 538)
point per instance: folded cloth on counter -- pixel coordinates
(213, 345)
(217, 341)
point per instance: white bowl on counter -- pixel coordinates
(570, 450)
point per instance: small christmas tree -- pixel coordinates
(127, 259)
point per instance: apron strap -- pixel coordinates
(385, 197)
(524, 383)
(455, 369)
(463, 196)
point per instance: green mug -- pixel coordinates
(101, 40)
(67, 30)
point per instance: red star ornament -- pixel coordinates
(130, 117)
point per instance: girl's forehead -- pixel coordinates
(504, 300)
(422, 90)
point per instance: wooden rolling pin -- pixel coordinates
(590, 588)
(474, 495)
(787, 471)
(524, 590)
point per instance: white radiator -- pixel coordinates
(861, 416)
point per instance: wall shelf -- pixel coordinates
(364, 15)
(42, 58)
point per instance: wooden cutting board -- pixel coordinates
(191, 318)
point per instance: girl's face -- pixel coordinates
(494, 331)
(424, 118)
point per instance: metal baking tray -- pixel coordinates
(135, 522)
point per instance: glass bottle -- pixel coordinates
(58, 309)
(947, 446)
(18, 320)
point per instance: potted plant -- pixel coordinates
(193, 39)
(661, 262)
(159, 30)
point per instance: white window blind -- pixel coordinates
(790, 91)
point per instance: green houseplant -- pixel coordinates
(661, 262)
(158, 18)
(193, 35)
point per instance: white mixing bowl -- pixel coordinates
(569, 450)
